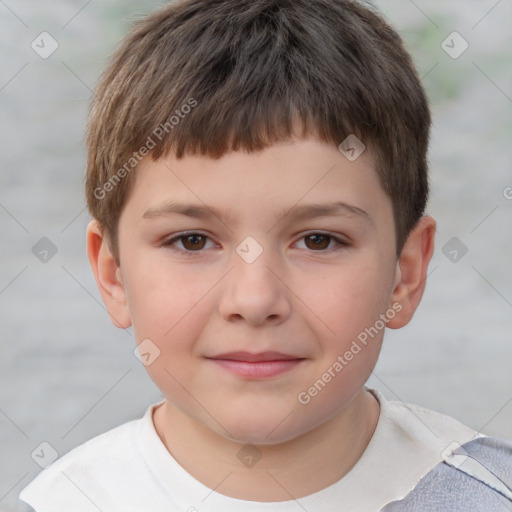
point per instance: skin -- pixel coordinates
(295, 298)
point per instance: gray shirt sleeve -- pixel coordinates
(480, 481)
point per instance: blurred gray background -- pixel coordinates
(67, 374)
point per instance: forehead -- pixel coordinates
(303, 177)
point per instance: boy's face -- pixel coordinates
(258, 278)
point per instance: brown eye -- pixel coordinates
(188, 243)
(193, 242)
(322, 242)
(317, 241)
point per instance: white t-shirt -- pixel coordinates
(129, 469)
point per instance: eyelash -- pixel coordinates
(169, 243)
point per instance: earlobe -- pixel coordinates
(108, 275)
(411, 273)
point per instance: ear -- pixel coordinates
(108, 276)
(411, 271)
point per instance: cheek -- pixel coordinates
(162, 300)
(348, 299)
(172, 315)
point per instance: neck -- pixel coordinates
(291, 470)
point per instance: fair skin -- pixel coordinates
(305, 296)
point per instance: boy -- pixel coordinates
(257, 179)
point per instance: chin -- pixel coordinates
(268, 428)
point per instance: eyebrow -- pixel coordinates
(301, 212)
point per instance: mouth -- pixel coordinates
(256, 365)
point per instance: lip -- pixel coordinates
(251, 357)
(256, 365)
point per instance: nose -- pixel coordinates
(255, 291)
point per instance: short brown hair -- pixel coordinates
(239, 74)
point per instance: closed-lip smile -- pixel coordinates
(256, 365)
(255, 357)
